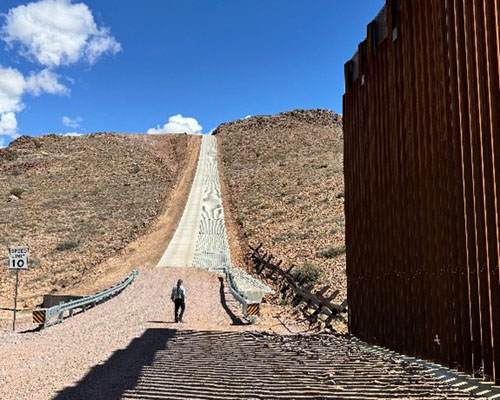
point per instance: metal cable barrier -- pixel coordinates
(50, 316)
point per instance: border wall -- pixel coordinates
(422, 182)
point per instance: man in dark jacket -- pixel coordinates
(178, 296)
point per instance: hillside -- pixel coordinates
(284, 174)
(79, 201)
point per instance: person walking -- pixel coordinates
(178, 296)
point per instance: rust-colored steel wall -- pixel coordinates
(422, 177)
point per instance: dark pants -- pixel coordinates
(179, 303)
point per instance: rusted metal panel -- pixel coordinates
(459, 252)
(422, 157)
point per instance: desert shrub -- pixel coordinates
(284, 236)
(320, 166)
(277, 213)
(331, 252)
(67, 245)
(250, 232)
(305, 235)
(34, 261)
(308, 273)
(11, 155)
(17, 191)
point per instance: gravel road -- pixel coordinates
(38, 365)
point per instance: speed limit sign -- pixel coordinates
(18, 258)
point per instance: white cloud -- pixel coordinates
(13, 85)
(248, 116)
(101, 44)
(51, 33)
(72, 123)
(178, 124)
(8, 123)
(57, 32)
(73, 134)
(45, 81)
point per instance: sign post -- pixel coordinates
(15, 300)
(18, 260)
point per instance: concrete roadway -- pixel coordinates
(180, 252)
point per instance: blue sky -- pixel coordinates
(131, 66)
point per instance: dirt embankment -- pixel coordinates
(284, 174)
(78, 201)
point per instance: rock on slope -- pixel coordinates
(78, 201)
(285, 177)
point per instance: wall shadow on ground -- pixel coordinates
(121, 371)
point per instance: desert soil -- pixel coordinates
(283, 183)
(83, 201)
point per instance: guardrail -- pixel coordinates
(232, 288)
(50, 316)
(250, 309)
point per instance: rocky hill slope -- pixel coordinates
(284, 174)
(77, 201)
